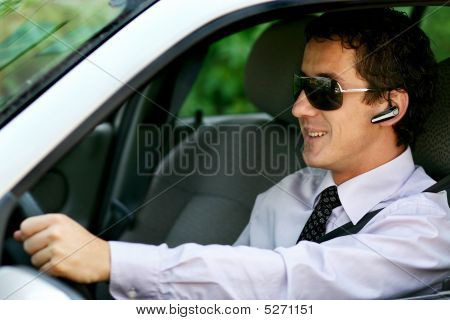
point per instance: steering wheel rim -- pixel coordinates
(29, 207)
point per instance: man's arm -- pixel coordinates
(192, 271)
(396, 255)
(403, 250)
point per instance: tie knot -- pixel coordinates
(315, 227)
(330, 197)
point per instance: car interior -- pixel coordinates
(135, 177)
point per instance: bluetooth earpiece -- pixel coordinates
(387, 114)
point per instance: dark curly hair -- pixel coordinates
(391, 53)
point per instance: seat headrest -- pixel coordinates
(432, 149)
(274, 58)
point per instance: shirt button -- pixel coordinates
(132, 294)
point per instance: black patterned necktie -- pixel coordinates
(315, 227)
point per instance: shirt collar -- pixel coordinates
(362, 193)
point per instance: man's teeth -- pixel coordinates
(316, 134)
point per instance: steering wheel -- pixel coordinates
(22, 208)
(27, 207)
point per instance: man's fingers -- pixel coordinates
(40, 240)
(41, 257)
(54, 267)
(35, 224)
(47, 268)
(18, 235)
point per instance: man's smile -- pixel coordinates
(313, 133)
(316, 133)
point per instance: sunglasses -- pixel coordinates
(323, 93)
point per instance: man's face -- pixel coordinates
(343, 139)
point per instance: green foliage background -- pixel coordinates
(219, 88)
(436, 23)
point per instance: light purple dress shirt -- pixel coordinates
(403, 250)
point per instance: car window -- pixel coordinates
(436, 23)
(219, 87)
(39, 37)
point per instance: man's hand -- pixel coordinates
(61, 247)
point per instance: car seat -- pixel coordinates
(185, 205)
(432, 150)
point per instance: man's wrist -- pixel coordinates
(104, 269)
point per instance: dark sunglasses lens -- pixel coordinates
(322, 93)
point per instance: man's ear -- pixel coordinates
(400, 99)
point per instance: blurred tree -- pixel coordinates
(219, 87)
(436, 23)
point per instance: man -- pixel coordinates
(366, 84)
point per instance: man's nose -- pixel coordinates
(302, 107)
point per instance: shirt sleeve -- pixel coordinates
(192, 271)
(258, 207)
(244, 237)
(394, 255)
